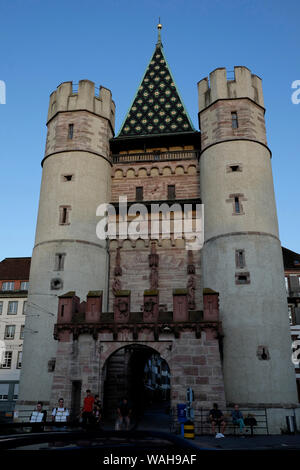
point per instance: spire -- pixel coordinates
(157, 107)
(159, 27)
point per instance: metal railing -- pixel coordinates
(203, 425)
(153, 156)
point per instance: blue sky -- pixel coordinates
(44, 43)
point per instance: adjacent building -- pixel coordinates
(14, 280)
(291, 262)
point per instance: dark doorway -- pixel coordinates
(142, 375)
(75, 400)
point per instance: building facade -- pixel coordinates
(216, 315)
(291, 262)
(14, 280)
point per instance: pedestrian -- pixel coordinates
(237, 418)
(123, 414)
(60, 415)
(37, 417)
(216, 417)
(97, 411)
(87, 410)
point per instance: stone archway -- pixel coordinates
(140, 373)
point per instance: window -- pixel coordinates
(6, 364)
(291, 316)
(67, 178)
(237, 207)
(171, 191)
(59, 261)
(240, 259)
(24, 307)
(263, 353)
(139, 193)
(19, 362)
(286, 284)
(22, 332)
(8, 285)
(24, 285)
(4, 388)
(56, 284)
(64, 215)
(1, 307)
(242, 278)
(16, 391)
(9, 332)
(12, 308)
(71, 131)
(234, 120)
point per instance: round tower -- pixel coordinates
(67, 255)
(242, 256)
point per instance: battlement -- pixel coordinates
(244, 85)
(69, 97)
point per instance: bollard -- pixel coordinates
(189, 430)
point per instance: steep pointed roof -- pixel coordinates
(157, 108)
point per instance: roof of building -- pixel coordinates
(291, 260)
(157, 107)
(12, 269)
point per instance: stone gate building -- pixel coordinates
(216, 315)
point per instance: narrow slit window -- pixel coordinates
(234, 120)
(171, 191)
(139, 193)
(71, 131)
(62, 310)
(237, 206)
(64, 215)
(240, 258)
(59, 261)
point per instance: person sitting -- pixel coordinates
(216, 417)
(237, 418)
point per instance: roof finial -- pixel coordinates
(159, 26)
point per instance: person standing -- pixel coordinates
(123, 415)
(37, 417)
(97, 411)
(87, 410)
(60, 415)
(237, 417)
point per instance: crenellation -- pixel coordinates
(64, 99)
(244, 85)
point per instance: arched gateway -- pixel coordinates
(140, 373)
(109, 354)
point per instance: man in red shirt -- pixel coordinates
(87, 410)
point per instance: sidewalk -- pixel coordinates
(278, 442)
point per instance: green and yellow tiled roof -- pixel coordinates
(157, 107)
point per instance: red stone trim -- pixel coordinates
(68, 240)
(236, 140)
(233, 99)
(232, 234)
(75, 150)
